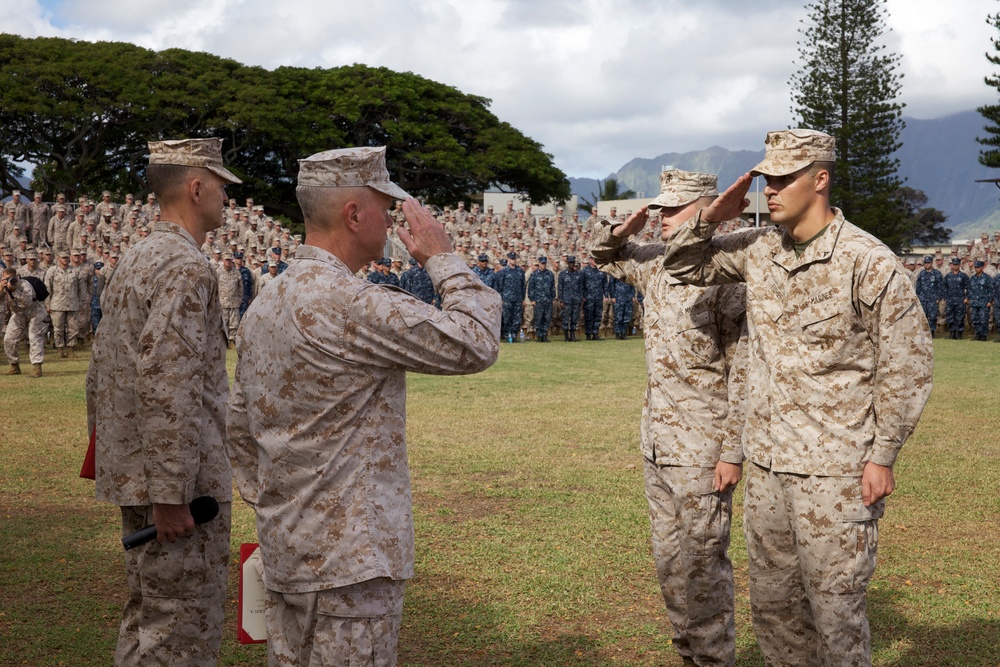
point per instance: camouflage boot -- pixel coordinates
(15, 369)
(37, 373)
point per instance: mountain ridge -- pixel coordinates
(938, 156)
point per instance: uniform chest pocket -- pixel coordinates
(696, 337)
(826, 336)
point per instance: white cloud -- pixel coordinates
(597, 83)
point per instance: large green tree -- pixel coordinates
(848, 86)
(84, 112)
(922, 225)
(990, 156)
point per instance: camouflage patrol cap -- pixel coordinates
(63, 253)
(39, 195)
(206, 153)
(678, 188)
(787, 151)
(31, 254)
(349, 167)
(227, 255)
(60, 207)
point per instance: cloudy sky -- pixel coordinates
(597, 82)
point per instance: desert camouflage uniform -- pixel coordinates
(230, 296)
(156, 391)
(39, 215)
(66, 294)
(691, 419)
(839, 372)
(317, 430)
(26, 315)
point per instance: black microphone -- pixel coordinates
(203, 509)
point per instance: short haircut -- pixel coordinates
(828, 167)
(319, 204)
(167, 180)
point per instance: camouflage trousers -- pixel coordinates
(592, 316)
(231, 320)
(35, 323)
(811, 546)
(65, 328)
(350, 626)
(690, 528)
(177, 592)
(543, 317)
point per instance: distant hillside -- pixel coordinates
(938, 156)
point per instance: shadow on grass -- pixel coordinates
(446, 626)
(969, 643)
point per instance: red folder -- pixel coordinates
(250, 607)
(88, 471)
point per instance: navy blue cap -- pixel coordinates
(512, 255)
(571, 260)
(237, 255)
(928, 259)
(956, 260)
(543, 259)
(484, 258)
(979, 264)
(413, 262)
(98, 265)
(503, 262)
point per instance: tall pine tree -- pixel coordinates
(847, 86)
(990, 157)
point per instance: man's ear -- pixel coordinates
(350, 215)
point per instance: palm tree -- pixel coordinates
(608, 190)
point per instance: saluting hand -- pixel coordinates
(426, 236)
(634, 224)
(731, 203)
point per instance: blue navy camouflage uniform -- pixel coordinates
(996, 303)
(512, 288)
(417, 282)
(542, 291)
(485, 273)
(956, 292)
(930, 290)
(570, 298)
(980, 299)
(623, 294)
(246, 278)
(594, 285)
(378, 277)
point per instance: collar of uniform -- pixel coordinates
(315, 254)
(819, 250)
(173, 228)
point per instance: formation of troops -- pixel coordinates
(963, 294)
(536, 262)
(74, 249)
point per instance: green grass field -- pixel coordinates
(532, 532)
